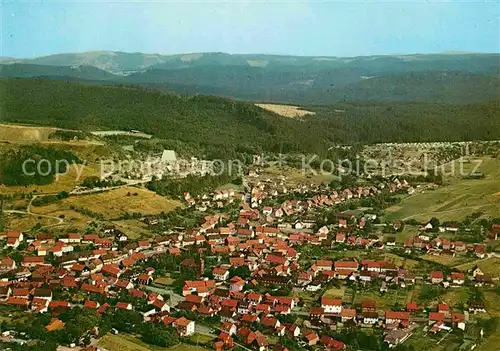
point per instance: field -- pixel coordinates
(455, 296)
(335, 292)
(491, 303)
(408, 232)
(446, 260)
(125, 342)
(491, 343)
(286, 110)
(12, 132)
(457, 199)
(164, 280)
(384, 301)
(399, 261)
(488, 266)
(22, 222)
(113, 203)
(133, 228)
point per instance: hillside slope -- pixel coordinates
(21, 70)
(198, 119)
(442, 78)
(226, 127)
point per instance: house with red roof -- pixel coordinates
(444, 309)
(331, 305)
(111, 270)
(220, 273)
(330, 343)
(184, 326)
(351, 265)
(392, 317)
(437, 277)
(91, 304)
(7, 264)
(236, 284)
(457, 278)
(124, 305)
(436, 317)
(324, 265)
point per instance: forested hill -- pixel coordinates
(85, 72)
(196, 119)
(229, 126)
(437, 78)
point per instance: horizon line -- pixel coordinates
(447, 52)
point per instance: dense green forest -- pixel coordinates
(33, 164)
(224, 128)
(439, 78)
(18, 70)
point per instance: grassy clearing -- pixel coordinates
(164, 280)
(456, 200)
(491, 343)
(201, 339)
(455, 296)
(115, 202)
(21, 222)
(446, 260)
(488, 266)
(12, 132)
(491, 302)
(286, 110)
(335, 292)
(186, 347)
(384, 301)
(127, 342)
(400, 261)
(236, 188)
(133, 228)
(408, 232)
(124, 342)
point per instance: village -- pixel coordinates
(289, 268)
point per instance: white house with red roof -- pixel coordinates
(331, 305)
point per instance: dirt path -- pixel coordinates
(29, 212)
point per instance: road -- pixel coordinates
(29, 212)
(98, 190)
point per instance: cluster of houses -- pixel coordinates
(262, 239)
(218, 199)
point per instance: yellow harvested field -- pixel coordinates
(12, 132)
(286, 110)
(23, 223)
(115, 202)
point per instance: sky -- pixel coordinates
(33, 28)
